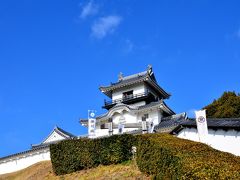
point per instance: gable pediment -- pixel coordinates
(57, 134)
(54, 136)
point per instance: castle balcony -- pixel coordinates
(130, 99)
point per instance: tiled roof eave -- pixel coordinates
(47, 144)
(215, 127)
(216, 123)
(117, 86)
(13, 156)
(161, 90)
(65, 133)
(167, 109)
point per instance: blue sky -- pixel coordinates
(55, 54)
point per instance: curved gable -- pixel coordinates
(117, 109)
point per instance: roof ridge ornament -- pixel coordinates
(149, 69)
(120, 76)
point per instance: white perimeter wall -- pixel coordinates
(228, 141)
(24, 160)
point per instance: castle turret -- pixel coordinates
(137, 89)
(136, 103)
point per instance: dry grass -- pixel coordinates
(36, 172)
(43, 170)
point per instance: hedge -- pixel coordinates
(167, 157)
(74, 155)
(161, 155)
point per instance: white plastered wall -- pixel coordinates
(153, 115)
(228, 141)
(141, 103)
(101, 132)
(136, 90)
(24, 160)
(130, 117)
(127, 116)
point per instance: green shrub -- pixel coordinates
(115, 149)
(73, 155)
(167, 157)
(161, 155)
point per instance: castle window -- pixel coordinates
(128, 94)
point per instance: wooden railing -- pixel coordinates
(126, 98)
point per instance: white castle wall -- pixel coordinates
(153, 115)
(21, 161)
(136, 90)
(223, 140)
(128, 118)
(141, 103)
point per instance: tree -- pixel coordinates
(227, 106)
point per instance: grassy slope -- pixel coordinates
(43, 170)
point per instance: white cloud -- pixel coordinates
(105, 25)
(89, 9)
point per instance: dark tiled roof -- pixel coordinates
(65, 132)
(127, 80)
(146, 76)
(144, 73)
(34, 146)
(167, 124)
(176, 117)
(216, 123)
(161, 102)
